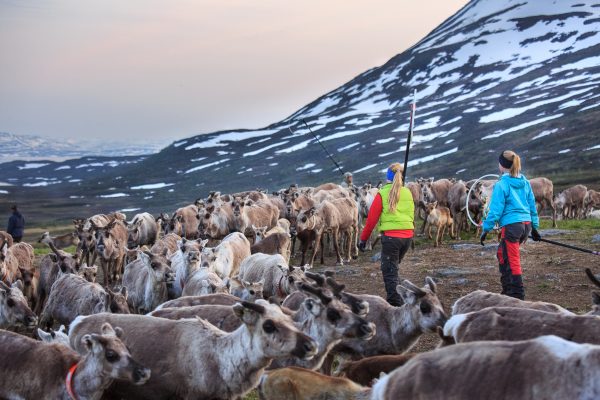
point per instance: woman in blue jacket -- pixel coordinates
(513, 208)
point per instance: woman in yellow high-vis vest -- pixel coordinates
(393, 210)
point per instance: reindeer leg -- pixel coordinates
(315, 248)
(322, 251)
(336, 238)
(354, 241)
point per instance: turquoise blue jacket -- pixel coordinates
(512, 201)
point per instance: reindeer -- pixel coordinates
(440, 218)
(507, 323)
(219, 365)
(14, 310)
(321, 317)
(72, 295)
(146, 282)
(143, 230)
(110, 246)
(546, 367)
(57, 372)
(295, 383)
(62, 241)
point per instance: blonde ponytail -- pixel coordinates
(515, 168)
(397, 184)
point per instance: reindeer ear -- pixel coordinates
(119, 332)
(596, 298)
(88, 341)
(312, 306)
(407, 295)
(18, 285)
(44, 336)
(144, 257)
(431, 283)
(249, 313)
(107, 329)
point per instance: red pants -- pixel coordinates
(509, 258)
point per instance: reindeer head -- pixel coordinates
(306, 220)
(133, 234)
(208, 257)
(426, 191)
(260, 232)
(237, 205)
(424, 303)
(118, 301)
(27, 276)
(274, 332)
(59, 336)
(88, 273)
(431, 206)
(112, 357)
(158, 266)
(336, 315)
(248, 291)
(67, 263)
(106, 242)
(13, 306)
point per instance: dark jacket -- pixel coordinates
(16, 225)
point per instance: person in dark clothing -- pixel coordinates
(392, 211)
(16, 224)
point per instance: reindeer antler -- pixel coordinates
(317, 292)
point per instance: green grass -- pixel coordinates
(573, 224)
(253, 395)
(42, 249)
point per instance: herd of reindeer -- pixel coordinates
(205, 304)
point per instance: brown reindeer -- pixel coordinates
(367, 370)
(434, 191)
(110, 246)
(440, 218)
(591, 201)
(543, 190)
(295, 383)
(571, 201)
(61, 241)
(276, 242)
(184, 222)
(7, 238)
(335, 216)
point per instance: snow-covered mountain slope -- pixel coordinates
(30, 148)
(517, 74)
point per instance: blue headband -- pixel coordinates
(390, 174)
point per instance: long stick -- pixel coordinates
(413, 110)
(318, 141)
(568, 246)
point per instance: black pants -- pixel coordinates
(17, 239)
(509, 259)
(392, 252)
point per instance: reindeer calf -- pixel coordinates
(441, 218)
(295, 383)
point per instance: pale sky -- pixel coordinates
(162, 70)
